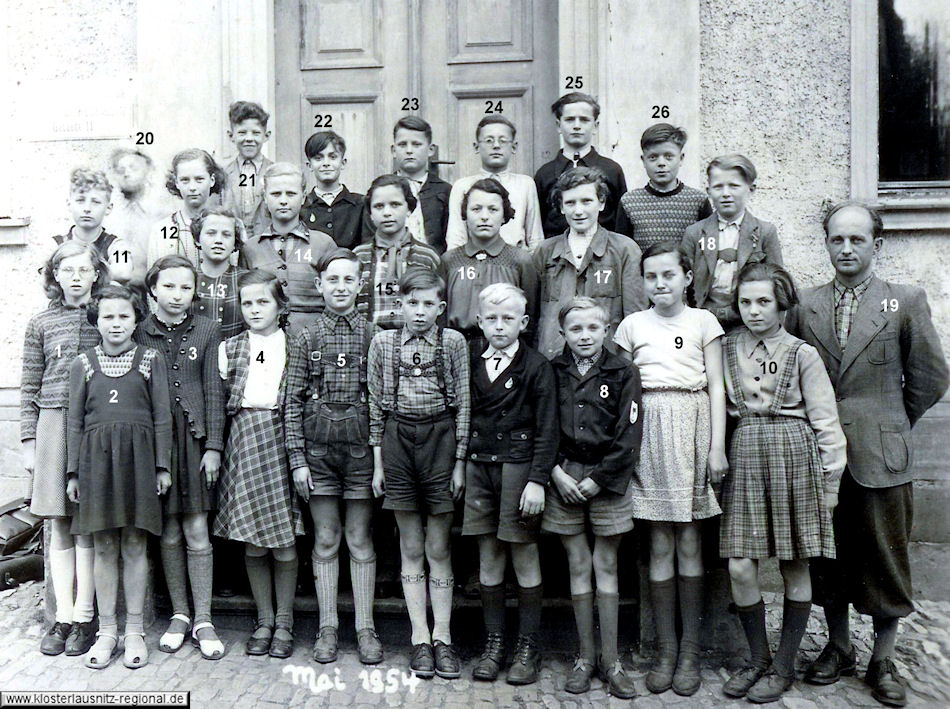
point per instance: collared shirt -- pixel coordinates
(497, 361)
(342, 217)
(265, 369)
(578, 244)
(245, 191)
(416, 222)
(172, 235)
(419, 393)
(847, 300)
(609, 273)
(522, 231)
(727, 245)
(218, 298)
(809, 395)
(584, 364)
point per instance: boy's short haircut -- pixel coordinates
(282, 169)
(241, 111)
(582, 302)
(577, 176)
(498, 293)
(783, 286)
(419, 278)
(323, 263)
(413, 123)
(392, 181)
(68, 249)
(495, 119)
(491, 186)
(120, 153)
(557, 108)
(83, 179)
(215, 170)
(165, 263)
(877, 224)
(662, 133)
(217, 210)
(317, 142)
(116, 291)
(734, 161)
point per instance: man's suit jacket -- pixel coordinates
(892, 370)
(755, 236)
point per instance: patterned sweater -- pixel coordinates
(649, 216)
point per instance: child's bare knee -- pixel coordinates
(743, 571)
(285, 553)
(327, 540)
(437, 551)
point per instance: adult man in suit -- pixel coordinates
(884, 358)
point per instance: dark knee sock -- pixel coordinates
(285, 588)
(885, 637)
(691, 612)
(529, 611)
(584, 618)
(839, 627)
(176, 578)
(608, 608)
(493, 608)
(200, 573)
(794, 619)
(663, 600)
(259, 577)
(753, 624)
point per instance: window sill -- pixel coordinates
(915, 211)
(14, 231)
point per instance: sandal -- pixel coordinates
(135, 650)
(211, 648)
(174, 637)
(103, 651)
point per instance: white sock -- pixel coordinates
(62, 570)
(414, 590)
(85, 584)
(440, 595)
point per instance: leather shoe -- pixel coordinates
(886, 683)
(447, 665)
(54, 642)
(369, 647)
(492, 658)
(831, 664)
(81, 638)
(326, 648)
(769, 688)
(619, 684)
(280, 647)
(686, 678)
(739, 684)
(524, 665)
(578, 681)
(660, 676)
(422, 662)
(259, 643)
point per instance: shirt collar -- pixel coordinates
(500, 176)
(569, 154)
(351, 317)
(300, 231)
(257, 162)
(429, 335)
(858, 290)
(592, 361)
(750, 342)
(737, 220)
(493, 247)
(510, 351)
(598, 245)
(406, 240)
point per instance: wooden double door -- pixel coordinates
(356, 66)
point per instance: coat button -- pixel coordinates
(580, 405)
(474, 434)
(494, 458)
(181, 351)
(177, 399)
(524, 436)
(581, 428)
(177, 384)
(474, 456)
(174, 366)
(329, 224)
(500, 436)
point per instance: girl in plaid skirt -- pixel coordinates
(786, 460)
(256, 503)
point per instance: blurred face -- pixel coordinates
(389, 210)
(576, 125)
(259, 308)
(665, 282)
(851, 244)
(411, 151)
(728, 191)
(194, 182)
(174, 290)
(484, 215)
(340, 283)
(75, 275)
(217, 238)
(584, 331)
(88, 208)
(249, 137)
(420, 308)
(284, 198)
(758, 307)
(116, 323)
(495, 147)
(501, 323)
(327, 165)
(581, 207)
(131, 172)
(662, 163)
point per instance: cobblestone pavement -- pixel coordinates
(238, 680)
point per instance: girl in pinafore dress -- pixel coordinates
(118, 449)
(73, 274)
(189, 346)
(677, 349)
(256, 500)
(787, 456)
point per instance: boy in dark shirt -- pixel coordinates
(512, 449)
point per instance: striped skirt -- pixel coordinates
(772, 496)
(256, 499)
